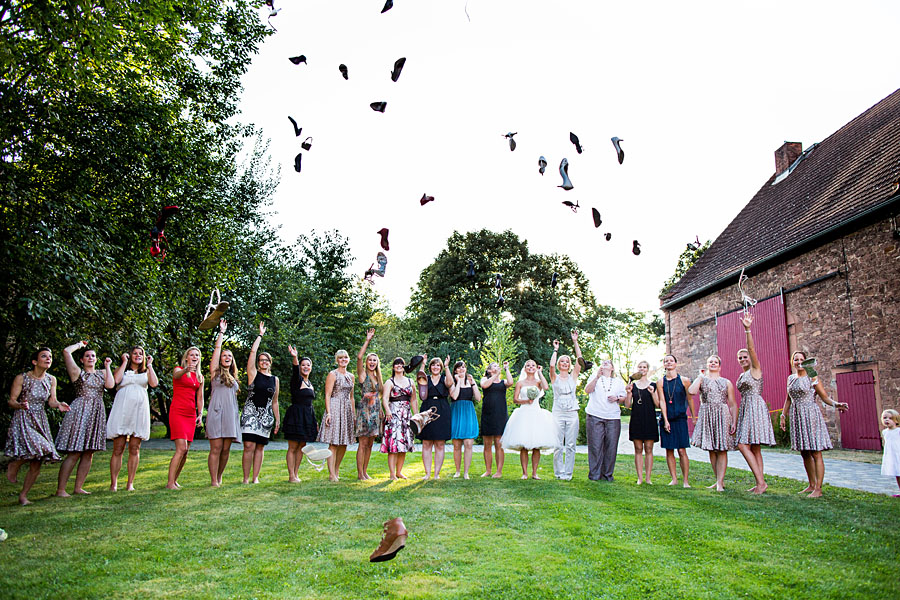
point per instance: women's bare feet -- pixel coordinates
(752, 490)
(24, 501)
(524, 476)
(639, 482)
(130, 488)
(808, 488)
(177, 486)
(720, 489)
(648, 482)
(294, 480)
(113, 488)
(761, 489)
(246, 482)
(214, 484)
(82, 492)
(62, 494)
(815, 494)
(256, 480)
(686, 484)
(393, 478)
(709, 487)
(10, 478)
(402, 476)
(465, 476)
(456, 475)
(673, 482)
(496, 475)
(171, 487)
(437, 476)
(426, 477)
(486, 474)
(535, 476)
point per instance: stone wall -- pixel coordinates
(849, 319)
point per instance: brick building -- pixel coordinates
(820, 242)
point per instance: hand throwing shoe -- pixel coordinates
(418, 422)
(393, 539)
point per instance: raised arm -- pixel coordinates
(553, 361)
(755, 367)
(695, 386)
(152, 379)
(454, 389)
(476, 391)
(251, 360)
(509, 378)
(448, 374)
(577, 354)
(120, 370)
(361, 356)
(109, 381)
(72, 368)
(217, 351)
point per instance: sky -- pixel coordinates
(702, 93)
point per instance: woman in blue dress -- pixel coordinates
(671, 391)
(464, 422)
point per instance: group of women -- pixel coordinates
(386, 406)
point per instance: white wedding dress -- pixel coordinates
(530, 427)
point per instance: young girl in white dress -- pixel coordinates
(890, 462)
(530, 427)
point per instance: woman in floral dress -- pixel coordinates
(368, 407)
(399, 406)
(338, 424)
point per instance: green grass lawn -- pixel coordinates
(481, 538)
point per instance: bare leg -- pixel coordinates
(258, 455)
(488, 441)
(898, 481)
(757, 454)
(467, 458)
(501, 455)
(338, 456)
(713, 462)
(115, 462)
(247, 459)
(523, 458)
(65, 471)
(134, 458)
(648, 459)
(720, 471)
(535, 461)
(212, 461)
(819, 465)
(427, 445)
(670, 462)
(84, 467)
(182, 463)
(12, 470)
(363, 454)
(223, 457)
(34, 469)
(401, 458)
(755, 468)
(457, 456)
(438, 457)
(181, 447)
(291, 458)
(810, 466)
(685, 466)
(638, 460)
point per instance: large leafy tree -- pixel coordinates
(453, 309)
(113, 109)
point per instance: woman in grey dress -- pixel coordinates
(338, 425)
(717, 419)
(809, 434)
(754, 427)
(28, 438)
(223, 419)
(83, 430)
(369, 414)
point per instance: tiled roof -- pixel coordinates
(843, 177)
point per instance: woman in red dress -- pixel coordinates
(186, 411)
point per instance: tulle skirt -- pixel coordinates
(530, 427)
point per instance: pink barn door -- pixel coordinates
(859, 425)
(770, 339)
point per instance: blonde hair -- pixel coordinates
(184, 358)
(795, 353)
(893, 414)
(226, 375)
(378, 379)
(341, 353)
(571, 362)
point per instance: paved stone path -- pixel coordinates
(840, 473)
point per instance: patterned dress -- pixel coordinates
(29, 435)
(340, 431)
(368, 410)
(398, 437)
(258, 417)
(808, 429)
(84, 426)
(753, 425)
(714, 419)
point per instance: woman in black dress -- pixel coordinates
(643, 430)
(493, 415)
(434, 392)
(300, 425)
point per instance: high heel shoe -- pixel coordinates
(393, 539)
(564, 171)
(542, 164)
(418, 421)
(620, 154)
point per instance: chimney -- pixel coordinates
(786, 155)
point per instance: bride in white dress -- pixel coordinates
(530, 427)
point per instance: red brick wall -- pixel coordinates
(820, 315)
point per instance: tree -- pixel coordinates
(454, 309)
(499, 344)
(686, 260)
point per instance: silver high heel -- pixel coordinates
(564, 171)
(542, 164)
